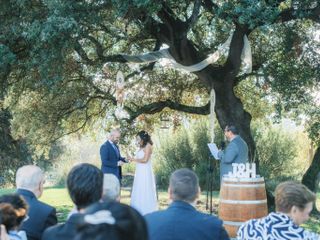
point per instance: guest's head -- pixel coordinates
(84, 183)
(8, 216)
(230, 131)
(111, 220)
(111, 188)
(143, 138)
(115, 135)
(184, 186)
(31, 178)
(13, 209)
(295, 200)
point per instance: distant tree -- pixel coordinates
(13, 152)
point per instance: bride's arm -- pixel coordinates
(147, 154)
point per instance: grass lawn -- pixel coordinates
(59, 198)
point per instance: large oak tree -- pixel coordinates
(52, 51)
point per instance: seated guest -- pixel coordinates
(294, 203)
(181, 221)
(13, 210)
(84, 183)
(111, 188)
(29, 181)
(112, 220)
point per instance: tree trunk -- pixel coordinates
(230, 110)
(310, 177)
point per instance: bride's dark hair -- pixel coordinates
(145, 137)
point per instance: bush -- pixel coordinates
(277, 151)
(77, 150)
(186, 148)
(174, 152)
(200, 138)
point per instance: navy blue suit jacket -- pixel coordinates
(64, 231)
(181, 221)
(41, 216)
(109, 160)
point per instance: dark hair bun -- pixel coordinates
(145, 137)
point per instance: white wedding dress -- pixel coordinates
(143, 195)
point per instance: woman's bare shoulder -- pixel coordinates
(148, 147)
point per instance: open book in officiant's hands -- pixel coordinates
(214, 150)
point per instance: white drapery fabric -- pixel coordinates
(223, 49)
(212, 58)
(211, 116)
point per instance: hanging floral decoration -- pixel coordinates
(120, 113)
(120, 84)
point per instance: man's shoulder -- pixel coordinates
(238, 142)
(34, 202)
(238, 139)
(66, 230)
(208, 218)
(53, 231)
(47, 207)
(105, 144)
(194, 215)
(156, 214)
(159, 217)
(39, 205)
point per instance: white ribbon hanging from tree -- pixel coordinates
(211, 117)
(246, 66)
(212, 58)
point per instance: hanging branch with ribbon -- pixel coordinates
(223, 49)
(164, 54)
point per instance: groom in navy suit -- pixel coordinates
(181, 221)
(111, 160)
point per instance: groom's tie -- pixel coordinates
(116, 149)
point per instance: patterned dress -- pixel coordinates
(275, 226)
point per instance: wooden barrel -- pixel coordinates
(241, 199)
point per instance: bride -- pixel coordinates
(143, 196)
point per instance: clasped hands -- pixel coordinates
(121, 163)
(129, 158)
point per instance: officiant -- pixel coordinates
(235, 152)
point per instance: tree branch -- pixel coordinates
(292, 14)
(155, 107)
(255, 68)
(150, 65)
(210, 6)
(72, 131)
(234, 57)
(82, 53)
(99, 48)
(194, 16)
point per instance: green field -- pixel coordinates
(59, 198)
